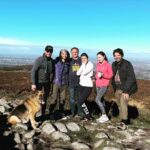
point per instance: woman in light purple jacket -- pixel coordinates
(61, 81)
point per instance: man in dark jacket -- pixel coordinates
(42, 74)
(124, 83)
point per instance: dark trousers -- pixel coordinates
(74, 98)
(58, 91)
(84, 94)
(46, 88)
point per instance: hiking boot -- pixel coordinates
(102, 119)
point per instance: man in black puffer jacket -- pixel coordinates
(123, 82)
(42, 74)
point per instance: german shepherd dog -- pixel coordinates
(27, 110)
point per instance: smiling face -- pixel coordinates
(100, 58)
(84, 59)
(48, 54)
(64, 55)
(117, 57)
(74, 53)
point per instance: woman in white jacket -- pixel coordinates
(85, 72)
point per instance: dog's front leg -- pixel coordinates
(33, 122)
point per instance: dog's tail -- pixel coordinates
(13, 120)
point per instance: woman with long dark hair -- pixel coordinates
(61, 80)
(103, 77)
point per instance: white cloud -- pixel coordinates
(13, 41)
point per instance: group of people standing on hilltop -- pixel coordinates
(76, 75)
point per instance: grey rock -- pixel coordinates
(27, 141)
(61, 127)
(3, 102)
(2, 109)
(90, 128)
(111, 127)
(98, 143)
(48, 128)
(29, 147)
(131, 130)
(60, 136)
(7, 133)
(20, 146)
(79, 146)
(17, 138)
(147, 140)
(73, 126)
(111, 148)
(21, 126)
(140, 132)
(29, 135)
(126, 134)
(101, 135)
(110, 143)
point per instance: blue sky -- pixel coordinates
(27, 26)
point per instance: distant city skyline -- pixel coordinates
(28, 26)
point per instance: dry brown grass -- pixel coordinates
(19, 82)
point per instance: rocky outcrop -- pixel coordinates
(75, 135)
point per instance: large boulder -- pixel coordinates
(61, 127)
(60, 136)
(73, 127)
(80, 146)
(48, 128)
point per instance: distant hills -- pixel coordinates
(140, 64)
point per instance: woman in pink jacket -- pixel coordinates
(103, 77)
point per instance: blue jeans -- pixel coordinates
(100, 93)
(74, 97)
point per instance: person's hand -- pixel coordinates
(125, 95)
(100, 74)
(83, 64)
(33, 87)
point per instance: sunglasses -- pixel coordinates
(49, 51)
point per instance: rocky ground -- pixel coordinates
(73, 134)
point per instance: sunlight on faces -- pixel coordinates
(48, 53)
(74, 53)
(84, 59)
(64, 55)
(100, 58)
(117, 57)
